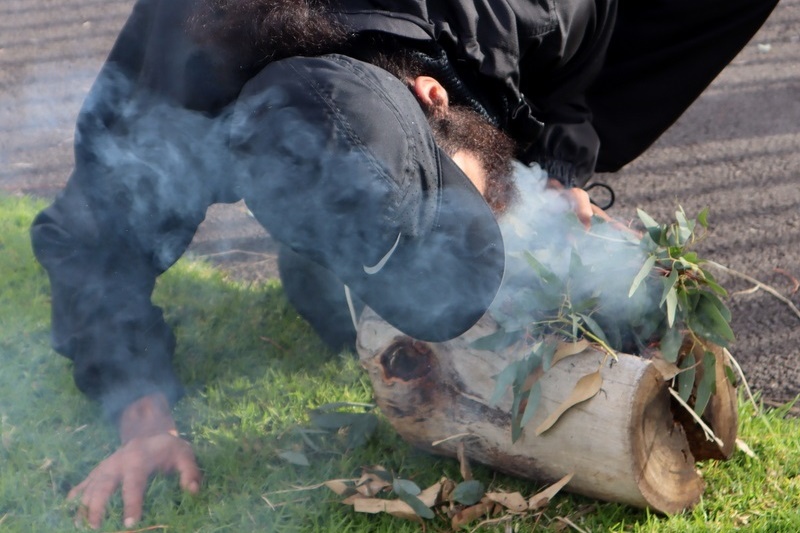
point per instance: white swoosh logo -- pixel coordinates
(380, 264)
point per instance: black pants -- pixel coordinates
(662, 55)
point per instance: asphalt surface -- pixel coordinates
(737, 150)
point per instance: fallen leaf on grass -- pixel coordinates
(585, 388)
(463, 461)
(513, 501)
(472, 513)
(540, 499)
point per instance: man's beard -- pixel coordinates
(460, 128)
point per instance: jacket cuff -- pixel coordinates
(561, 171)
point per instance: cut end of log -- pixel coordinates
(624, 444)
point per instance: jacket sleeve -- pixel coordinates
(129, 210)
(556, 73)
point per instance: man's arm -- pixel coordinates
(149, 444)
(555, 77)
(150, 157)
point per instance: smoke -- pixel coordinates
(592, 268)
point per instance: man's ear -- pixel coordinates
(430, 93)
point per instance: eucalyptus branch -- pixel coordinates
(758, 285)
(606, 348)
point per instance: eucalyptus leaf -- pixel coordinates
(686, 377)
(707, 385)
(647, 220)
(702, 218)
(469, 492)
(645, 271)
(669, 284)
(407, 486)
(295, 458)
(671, 344)
(594, 327)
(503, 381)
(497, 341)
(401, 486)
(361, 430)
(335, 420)
(672, 306)
(534, 397)
(708, 321)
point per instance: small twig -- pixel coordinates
(492, 522)
(451, 437)
(571, 524)
(795, 283)
(751, 290)
(758, 284)
(739, 370)
(151, 528)
(272, 342)
(3, 518)
(707, 430)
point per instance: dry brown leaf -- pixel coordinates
(431, 495)
(542, 498)
(513, 501)
(351, 500)
(667, 369)
(585, 388)
(340, 486)
(472, 513)
(466, 471)
(370, 483)
(397, 508)
(568, 349)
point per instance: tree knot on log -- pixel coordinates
(407, 360)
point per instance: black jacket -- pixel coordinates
(143, 178)
(151, 149)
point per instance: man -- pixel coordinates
(291, 104)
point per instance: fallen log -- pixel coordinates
(625, 444)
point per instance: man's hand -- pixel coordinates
(150, 444)
(584, 208)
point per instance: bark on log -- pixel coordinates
(623, 445)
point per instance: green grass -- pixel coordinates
(252, 371)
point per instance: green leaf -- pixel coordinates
(708, 322)
(647, 220)
(499, 340)
(669, 283)
(469, 492)
(361, 430)
(295, 458)
(534, 397)
(407, 491)
(503, 381)
(707, 385)
(686, 378)
(594, 327)
(647, 267)
(672, 305)
(671, 344)
(702, 218)
(407, 486)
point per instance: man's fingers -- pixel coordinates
(77, 489)
(95, 498)
(134, 484)
(190, 473)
